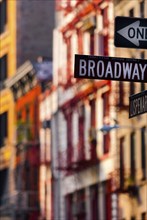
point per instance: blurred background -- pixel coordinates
(68, 150)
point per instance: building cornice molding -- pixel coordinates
(22, 71)
(23, 81)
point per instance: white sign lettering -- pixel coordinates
(110, 68)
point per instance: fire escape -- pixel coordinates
(83, 154)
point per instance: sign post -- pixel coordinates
(130, 32)
(110, 68)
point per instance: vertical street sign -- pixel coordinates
(130, 32)
(138, 104)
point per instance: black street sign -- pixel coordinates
(110, 68)
(138, 104)
(130, 32)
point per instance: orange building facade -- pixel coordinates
(25, 93)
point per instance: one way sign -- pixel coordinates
(130, 32)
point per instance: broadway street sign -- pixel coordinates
(110, 68)
(130, 32)
(138, 104)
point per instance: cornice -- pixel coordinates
(23, 81)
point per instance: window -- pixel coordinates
(106, 139)
(94, 202)
(144, 216)
(68, 57)
(27, 114)
(142, 6)
(142, 85)
(93, 112)
(143, 153)
(105, 25)
(131, 12)
(3, 13)
(80, 42)
(121, 93)
(132, 88)
(69, 137)
(76, 205)
(132, 155)
(106, 143)
(81, 131)
(3, 128)
(107, 199)
(19, 116)
(105, 98)
(81, 204)
(105, 17)
(92, 42)
(69, 206)
(3, 69)
(93, 128)
(3, 188)
(122, 162)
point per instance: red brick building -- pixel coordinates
(81, 155)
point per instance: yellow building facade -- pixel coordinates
(7, 69)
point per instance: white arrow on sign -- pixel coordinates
(134, 33)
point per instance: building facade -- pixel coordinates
(81, 156)
(45, 109)
(25, 204)
(25, 34)
(7, 69)
(96, 175)
(132, 139)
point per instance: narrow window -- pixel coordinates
(105, 25)
(121, 93)
(69, 58)
(106, 137)
(3, 13)
(132, 88)
(81, 132)
(92, 42)
(69, 203)
(3, 70)
(69, 137)
(3, 128)
(80, 42)
(144, 216)
(105, 98)
(122, 162)
(142, 9)
(94, 202)
(93, 112)
(132, 155)
(143, 153)
(4, 181)
(142, 85)
(131, 12)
